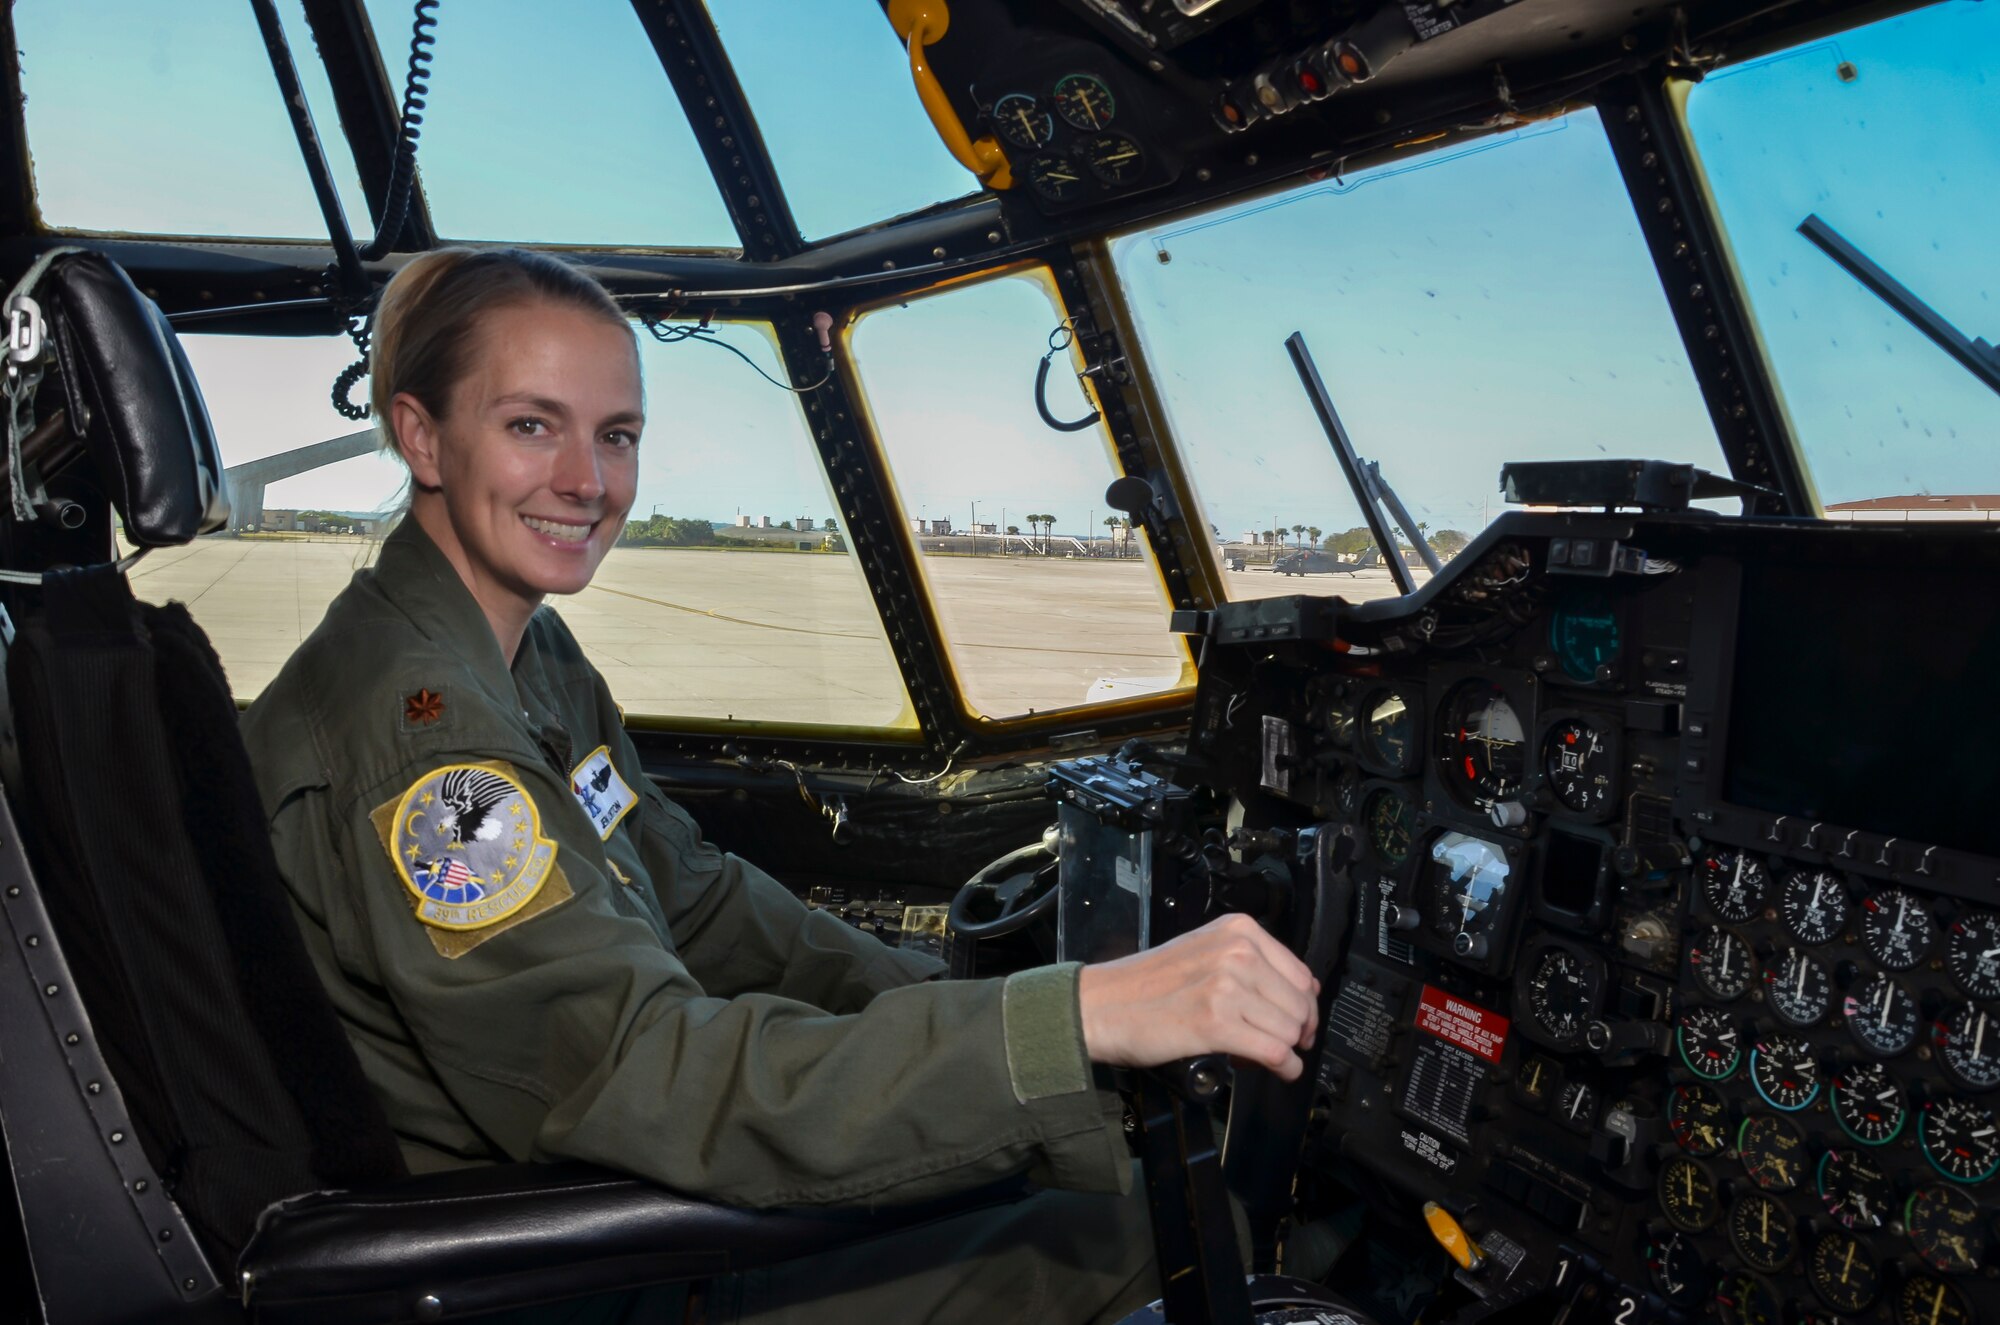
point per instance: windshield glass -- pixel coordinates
(1890, 134)
(1487, 303)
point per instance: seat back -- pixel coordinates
(166, 1045)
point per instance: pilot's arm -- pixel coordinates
(569, 1027)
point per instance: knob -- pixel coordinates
(1508, 814)
(1402, 917)
(1474, 946)
(1617, 1037)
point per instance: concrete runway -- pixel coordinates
(780, 637)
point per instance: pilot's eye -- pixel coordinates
(622, 438)
(528, 426)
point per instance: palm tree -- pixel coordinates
(1312, 535)
(1298, 530)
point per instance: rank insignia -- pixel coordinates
(423, 709)
(467, 842)
(604, 796)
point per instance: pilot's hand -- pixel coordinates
(1228, 987)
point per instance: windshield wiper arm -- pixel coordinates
(1975, 356)
(1371, 490)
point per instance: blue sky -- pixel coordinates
(1465, 307)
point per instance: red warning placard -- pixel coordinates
(1464, 1024)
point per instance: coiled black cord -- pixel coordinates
(395, 199)
(668, 333)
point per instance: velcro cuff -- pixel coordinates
(1044, 1031)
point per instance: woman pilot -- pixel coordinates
(536, 955)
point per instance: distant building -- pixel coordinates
(763, 522)
(1919, 507)
(930, 528)
(742, 522)
(986, 529)
(805, 524)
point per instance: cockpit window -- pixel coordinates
(1887, 135)
(1047, 599)
(165, 119)
(553, 124)
(853, 148)
(1489, 303)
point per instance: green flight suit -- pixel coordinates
(657, 1006)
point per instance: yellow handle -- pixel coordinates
(1453, 1237)
(921, 22)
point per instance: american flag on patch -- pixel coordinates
(450, 881)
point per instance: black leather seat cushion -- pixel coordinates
(514, 1234)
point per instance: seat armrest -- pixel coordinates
(454, 1244)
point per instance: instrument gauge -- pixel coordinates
(1785, 1073)
(1482, 745)
(1881, 1016)
(1392, 822)
(1114, 159)
(1576, 1106)
(1023, 120)
(1923, 1300)
(1338, 723)
(1054, 178)
(1773, 1151)
(1869, 1105)
(1698, 1119)
(1389, 732)
(1814, 904)
(1677, 1268)
(1532, 1083)
(1723, 963)
(1844, 1275)
(1762, 1232)
(1584, 634)
(1798, 990)
(1960, 1139)
(1579, 766)
(1968, 1044)
(1709, 1043)
(1944, 1225)
(1896, 928)
(1734, 885)
(1853, 1188)
(1085, 102)
(1973, 953)
(1744, 1299)
(1689, 1195)
(1564, 991)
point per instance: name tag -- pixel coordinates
(604, 795)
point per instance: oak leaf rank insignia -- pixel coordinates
(423, 708)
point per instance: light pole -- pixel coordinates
(973, 529)
(656, 508)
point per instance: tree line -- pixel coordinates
(1353, 542)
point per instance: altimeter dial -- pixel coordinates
(1960, 1139)
(1881, 1015)
(1577, 763)
(1798, 989)
(1814, 905)
(1869, 1105)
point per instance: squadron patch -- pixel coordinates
(604, 795)
(467, 842)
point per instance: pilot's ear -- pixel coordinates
(417, 439)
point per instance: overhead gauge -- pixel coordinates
(1723, 963)
(1798, 990)
(1784, 1071)
(1482, 745)
(1968, 1044)
(1869, 1105)
(1709, 1043)
(1896, 928)
(1389, 732)
(1579, 766)
(1085, 101)
(1741, 1298)
(1773, 1151)
(1565, 991)
(1944, 1225)
(1973, 953)
(1678, 1270)
(1114, 159)
(1762, 1232)
(1960, 1139)
(1853, 1188)
(1689, 1196)
(1338, 724)
(1881, 1015)
(1814, 905)
(1844, 1275)
(1054, 178)
(1392, 822)
(1923, 1300)
(1583, 632)
(1023, 120)
(1698, 1119)
(1734, 885)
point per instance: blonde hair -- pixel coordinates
(424, 323)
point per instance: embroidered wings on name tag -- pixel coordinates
(604, 796)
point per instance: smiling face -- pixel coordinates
(526, 480)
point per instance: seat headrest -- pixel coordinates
(132, 398)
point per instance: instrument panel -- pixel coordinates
(1670, 1040)
(1073, 140)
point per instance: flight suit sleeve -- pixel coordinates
(740, 931)
(571, 1029)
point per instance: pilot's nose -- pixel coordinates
(578, 474)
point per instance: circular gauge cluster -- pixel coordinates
(1481, 744)
(1091, 158)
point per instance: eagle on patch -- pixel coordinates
(469, 797)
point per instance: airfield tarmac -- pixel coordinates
(772, 636)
